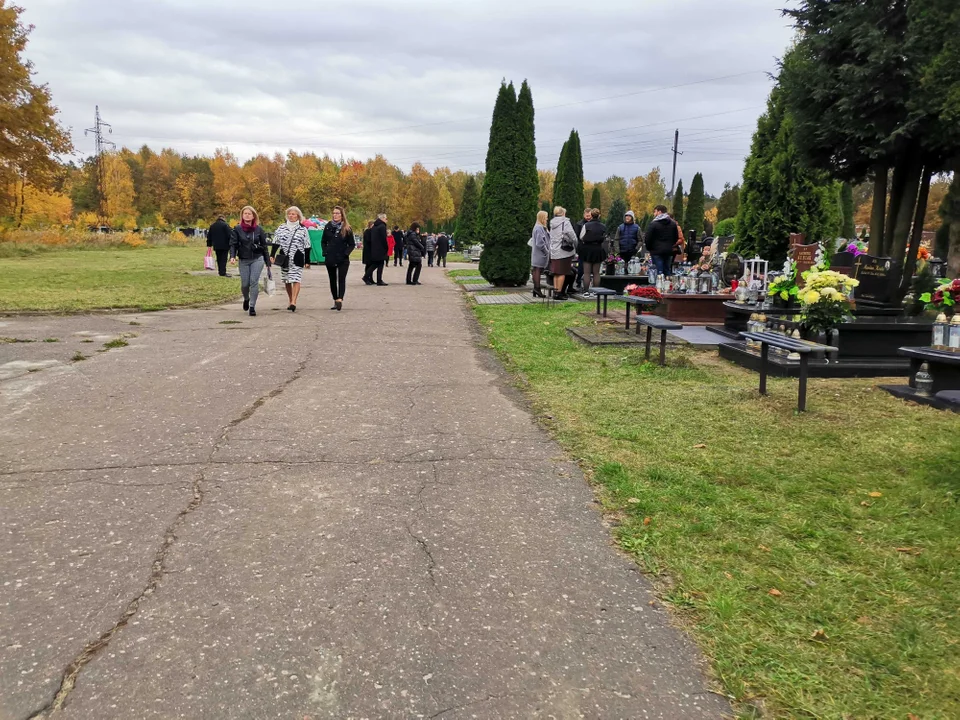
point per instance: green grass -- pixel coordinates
(849, 511)
(78, 356)
(150, 278)
(116, 343)
(463, 273)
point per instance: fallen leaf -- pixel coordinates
(546, 322)
(774, 592)
(728, 576)
(764, 548)
(646, 521)
(910, 550)
(819, 635)
(863, 620)
(652, 603)
(701, 446)
(633, 501)
(876, 494)
(911, 716)
(866, 504)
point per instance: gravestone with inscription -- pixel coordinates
(842, 262)
(878, 278)
(723, 243)
(805, 256)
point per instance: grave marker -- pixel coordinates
(877, 276)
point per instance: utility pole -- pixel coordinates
(676, 144)
(97, 131)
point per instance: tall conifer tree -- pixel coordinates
(678, 204)
(694, 214)
(568, 188)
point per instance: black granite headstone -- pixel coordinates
(732, 269)
(878, 278)
(842, 262)
(724, 243)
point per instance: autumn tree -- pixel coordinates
(646, 192)
(729, 202)
(30, 136)
(118, 191)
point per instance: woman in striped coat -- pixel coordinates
(291, 240)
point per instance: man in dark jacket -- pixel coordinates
(443, 247)
(376, 254)
(662, 238)
(415, 250)
(218, 238)
(397, 246)
(628, 237)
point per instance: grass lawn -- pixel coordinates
(815, 557)
(148, 278)
(469, 272)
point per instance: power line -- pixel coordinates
(97, 131)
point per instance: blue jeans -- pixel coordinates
(663, 264)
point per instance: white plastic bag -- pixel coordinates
(269, 285)
(208, 260)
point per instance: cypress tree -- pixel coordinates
(780, 194)
(678, 204)
(467, 234)
(618, 209)
(545, 206)
(568, 188)
(694, 214)
(849, 229)
(595, 198)
(729, 202)
(508, 199)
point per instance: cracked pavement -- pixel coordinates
(311, 515)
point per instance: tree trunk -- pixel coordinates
(23, 198)
(906, 204)
(900, 175)
(916, 235)
(879, 209)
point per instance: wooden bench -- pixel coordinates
(661, 324)
(604, 293)
(636, 301)
(801, 347)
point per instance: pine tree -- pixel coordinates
(678, 204)
(780, 195)
(618, 208)
(694, 213)
(466, 233)
(568, 188)
(595, 198)
(729, 202)
(849, 229)
(508, 199)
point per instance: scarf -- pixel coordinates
(336, 226)
(292, 226)
(247, 228)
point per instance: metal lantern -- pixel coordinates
(923, 381)
(757, 269)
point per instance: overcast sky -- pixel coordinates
(416, 79)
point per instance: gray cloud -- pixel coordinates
(416, 79)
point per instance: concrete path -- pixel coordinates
(310, 515)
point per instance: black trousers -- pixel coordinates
(338, 279)
(222, 260)
(441, 258)
(398, 257)
(369, 269)
(413, 271)
(430, 258)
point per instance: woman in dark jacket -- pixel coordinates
(415, 250)
(248, 244)
(592, 237)
(337, 242)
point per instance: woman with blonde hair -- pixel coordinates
(337, 243)
(291, 240)
(248, 244)
(540, 251)
(563, 246)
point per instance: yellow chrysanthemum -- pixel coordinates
(811, 297)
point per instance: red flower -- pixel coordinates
(646, 291)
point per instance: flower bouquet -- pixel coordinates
(944, 298)
(857, 247)
(644, 291)
(825, 299)
(611, 263)
(784, 290)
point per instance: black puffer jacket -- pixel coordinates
(336, 246)
(592, 236)
(249, 245)
(662, 236)
(415, 247)
(378, 242)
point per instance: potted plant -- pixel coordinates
(611, 263)
(825, 301)
(644, 291)
(784, 291)
(943, 299)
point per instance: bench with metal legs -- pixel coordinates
(801, 347)
(637, 302)
(604, 293)
(663, 325)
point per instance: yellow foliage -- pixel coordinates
(41, 208)
(711, 215)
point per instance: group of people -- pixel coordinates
(380, 245)
(248, 246)
(555, 247)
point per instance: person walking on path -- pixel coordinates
(375, 248)
(592, 236)
(391, 247)
(540, 251)
(218, 238)
(337, 242)
(443, 247)
(662, 240)
(291, 240)
(397, 246)
(365, 253)
(415, 249)
(248, 245)
(628, 237)
(431, 246)
(563, 246)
